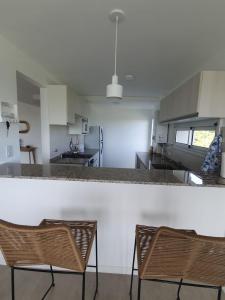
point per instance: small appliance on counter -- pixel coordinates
(94, 140)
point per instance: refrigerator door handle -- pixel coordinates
(101, 134)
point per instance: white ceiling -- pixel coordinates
(162, 42)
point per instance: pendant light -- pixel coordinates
(115, 90)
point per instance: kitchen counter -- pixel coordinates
(70, 161)
(74, 161)
(152, 161)
(132, 176)
(30, 193)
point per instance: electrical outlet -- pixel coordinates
(9, 151)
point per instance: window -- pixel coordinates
(182, 136)
(203, 138)
(199, 137)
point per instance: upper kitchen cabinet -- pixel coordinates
(74, 106)
(203, 96)
(161, 134)
(63, 105)
(80, 126)
(57, 104)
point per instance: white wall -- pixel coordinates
(11, 60)
(126, 131)
(32, 114)
(117, 208)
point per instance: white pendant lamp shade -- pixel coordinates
(115, 90)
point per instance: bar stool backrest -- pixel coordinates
(180, 254)
(40, 245)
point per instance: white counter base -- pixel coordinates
(117, 208)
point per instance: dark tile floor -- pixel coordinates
(31, 286)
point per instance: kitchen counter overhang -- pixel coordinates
(113, 175)
(112, 197)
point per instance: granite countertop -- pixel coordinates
(133, 176)
(157, 159)
(79, 161)
(70, 161)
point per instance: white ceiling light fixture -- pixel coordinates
(115, 90)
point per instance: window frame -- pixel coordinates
(182, 129)
(199, 128)
(212, 126)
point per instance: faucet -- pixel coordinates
(71, 144)
(73, 147)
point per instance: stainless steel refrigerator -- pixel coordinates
(94, 140)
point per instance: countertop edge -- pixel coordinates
(111, 181)
(108, 175)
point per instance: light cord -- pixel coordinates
(116, 44)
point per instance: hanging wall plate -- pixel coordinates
(27, 127)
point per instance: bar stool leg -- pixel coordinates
(219, 293)
(12, 283)
(83, 286)
(139, 288)
(52, 274)
(179, 288)
(96, 260)
(132, 272)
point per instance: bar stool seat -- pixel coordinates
(144, 238)
(59, 243)
(173, 255)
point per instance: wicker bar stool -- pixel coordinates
(164, 253)
(59, 243)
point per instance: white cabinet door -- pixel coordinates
(203, 95)
(73, 106)
(161, 134)
(181, 103)
(76, 128)
(186, 98)
(57, 104)
(167, 108)
(63, 107)
(163, 113)
(212, 94)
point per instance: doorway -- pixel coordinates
(29, 111)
